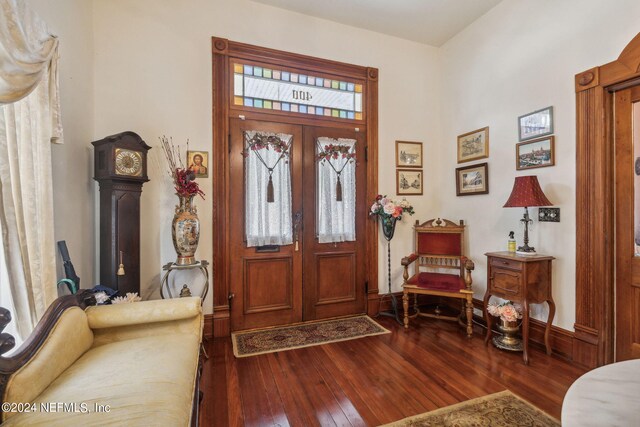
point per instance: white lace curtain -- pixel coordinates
(267, 223)
(336, 219)
(29, 121)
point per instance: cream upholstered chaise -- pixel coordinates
(126, 364)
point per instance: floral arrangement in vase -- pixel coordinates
(506, 311)
(384, 207)
(184, 179)
(185, 227)
(389, 211)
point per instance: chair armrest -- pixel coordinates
(467, 264)
(143, 312)
(466, 267)
(409, 259)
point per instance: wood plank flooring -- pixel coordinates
(374, 380)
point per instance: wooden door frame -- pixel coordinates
(593, 343)
(222, 50)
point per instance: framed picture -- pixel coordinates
(198, 161)
(472, 179)
(408, 154)
(536, 124)
(537, 153)
(408, 182)
(473, 145)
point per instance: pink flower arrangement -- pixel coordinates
(385, 207)
(507, 311)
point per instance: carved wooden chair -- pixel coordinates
(439, 250)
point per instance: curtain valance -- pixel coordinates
(28, 54)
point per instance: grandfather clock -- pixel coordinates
(120, 169)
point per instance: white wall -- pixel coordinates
(145, 65)
(519, 57)
(71, 21)
(153, 76)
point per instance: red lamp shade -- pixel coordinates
(526, 192)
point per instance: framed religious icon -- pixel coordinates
(472, 180)
(198, 161)
(408, 182)
(473, 145)
(408, 154)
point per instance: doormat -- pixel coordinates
(261, 341)
(498, 409)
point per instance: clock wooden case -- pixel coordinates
(120, 165)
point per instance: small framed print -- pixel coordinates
(198, 161)
(408, 154)
(473, 145)
(472, 180)
(408, 182)
(537, 153)
(536, 124)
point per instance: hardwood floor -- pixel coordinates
(374, 380)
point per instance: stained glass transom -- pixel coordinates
(270, 89)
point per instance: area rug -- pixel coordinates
(252, 343)
(495, 410)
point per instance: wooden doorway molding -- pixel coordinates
(594, 328)
(223, 52)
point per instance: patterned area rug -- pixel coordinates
(251, 343)
(496, 410)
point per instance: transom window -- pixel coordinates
(273, 89)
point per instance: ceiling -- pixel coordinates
(431, 22)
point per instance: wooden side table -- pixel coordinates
(523, 279)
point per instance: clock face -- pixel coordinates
(128, 162)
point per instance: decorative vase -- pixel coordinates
(185, 231)
(509, 339)
(388, 227)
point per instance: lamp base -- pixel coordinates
(526, 250)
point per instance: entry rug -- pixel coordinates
(495, 410)
(252, 343)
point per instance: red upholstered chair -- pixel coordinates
(439, 250)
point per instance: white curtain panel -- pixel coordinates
(28, 55)
(29, 121)
(268, 223)
(26, 205)
(336, 220)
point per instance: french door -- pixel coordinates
(296, 251)
(627, 172)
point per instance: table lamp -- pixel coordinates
(526, 193)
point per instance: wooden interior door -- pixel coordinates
(265, 282)
(334, 273)
(627, 173)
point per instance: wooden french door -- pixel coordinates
(627, 172)
(305, 280)
(334, 273)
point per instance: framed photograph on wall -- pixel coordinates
(408, 154)
(536, 124)
(198, 161)
(537, 153)
(408, 182)
(473, 145)
(472, 180)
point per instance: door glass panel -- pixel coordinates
(267, 188)
(336, 181)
